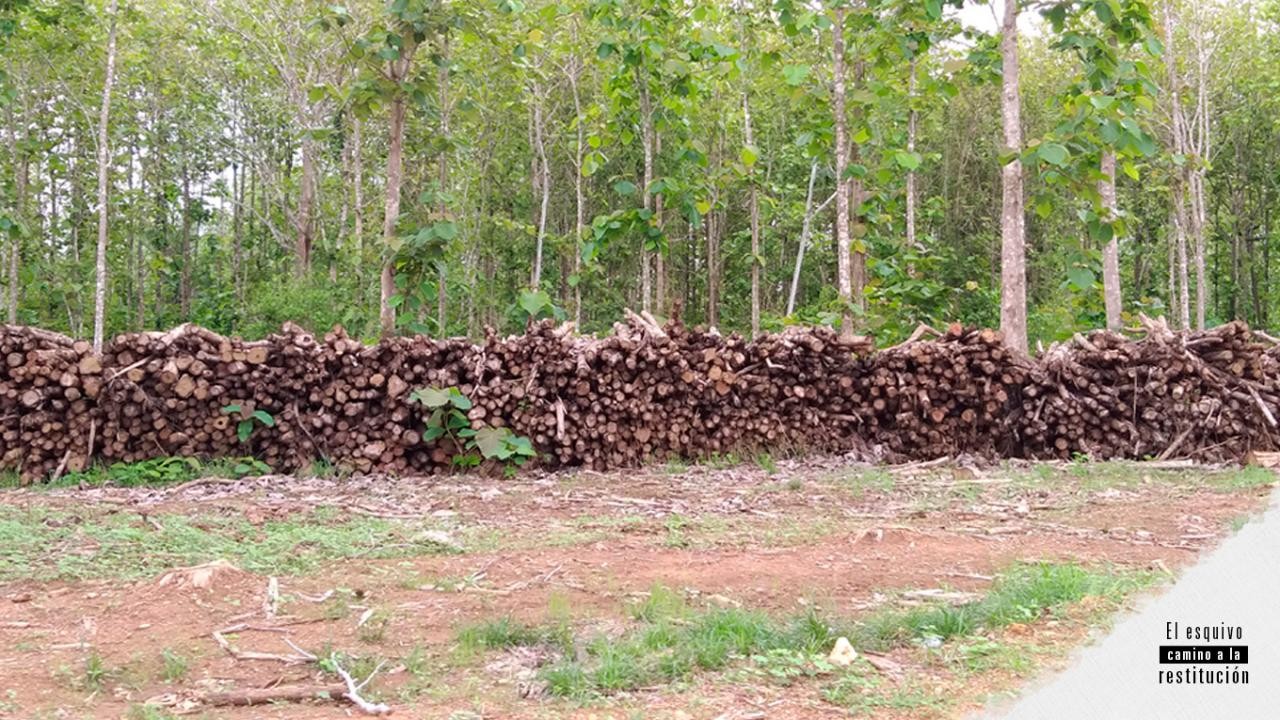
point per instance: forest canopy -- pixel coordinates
(436, 166)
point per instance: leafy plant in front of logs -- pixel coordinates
(448, 418)
(247, 424)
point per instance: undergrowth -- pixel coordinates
(670, 641)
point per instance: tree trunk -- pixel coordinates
(911, 174)
(184, 277)
(754, 209)
(1013, 279)
(104, 178)
(804, 239)
(357, 168)
(395, 174)
(442, 285)
(1178, 185)
(303, 223)
(579, 226)
(21, 164)
(544, 185)
(646, 119)
(237, 232)
(1111, 251)
(844, 270)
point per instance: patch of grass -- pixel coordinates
(34, 542)
(1022, 594)
(1243, 478)
(175, 665)
(862, 482)
(662, 603)
(673, 641)
(767, 463)
(374, 629)
(675, 466)
(864, 693)
(161, 471)
(982, 655)
(92, 674)
(506, 633)
(139, 711)
(675, 531)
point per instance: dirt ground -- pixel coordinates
(94, 625)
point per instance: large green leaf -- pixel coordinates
(1053, 153)
(430, 397)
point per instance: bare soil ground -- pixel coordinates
(390, 571)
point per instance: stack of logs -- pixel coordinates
(184, 392)
(49, 388)
(644, 393)
(1204, 395)
(950, 395)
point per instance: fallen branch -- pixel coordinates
(353, 691)
(280, 693)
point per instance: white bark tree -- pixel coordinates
(1013, 279)
(104, 179)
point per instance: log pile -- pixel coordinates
(1205, 395)
(946, 396)
(184, 392)
(49, 387)
(646, 392)
(358, 410)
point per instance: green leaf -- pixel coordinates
(430, 397)
(1130, 169)
(624, 187)
(433, 432)
(795, 74)
(1053, 153)
(264, 417)
(908, 160)
(458, 400)
(228, 409)
(748, 155)
(445, 229)
(244, 429)
(534, 302)
(1081, 278)
(491, 441)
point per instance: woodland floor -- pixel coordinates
(541, 596)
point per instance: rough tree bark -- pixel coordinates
(579, 226)
(357, 169)
(911, 174)
(754, 209)
(442, 285)
(804, 239)
(1111, 251)
(1013, 279)
(21, 165)
(1178, 185)
(544, 184)
(844, 270)
(395, 173)
(646, 120)
(184, 277)
(104, 178)
(303, 224)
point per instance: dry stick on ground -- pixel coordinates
(353, 690)
(300, 658)
(281, 693)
